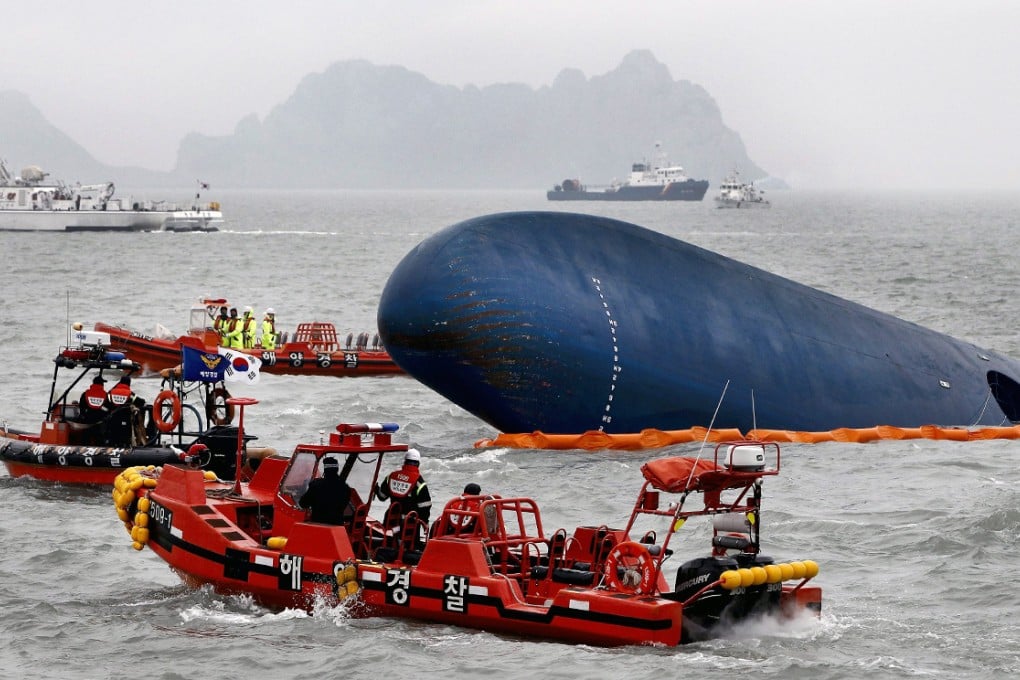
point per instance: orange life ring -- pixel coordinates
(639, 569)
(218, 399)
(164, 424)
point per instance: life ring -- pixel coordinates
(216, 403)
(638, 569)
(166, 424)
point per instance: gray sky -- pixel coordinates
(827, 94)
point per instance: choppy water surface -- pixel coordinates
(917, 540)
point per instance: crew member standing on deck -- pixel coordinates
(248, 328)
(407, 487)
(269, 330)
(220, 325)
(235, 331)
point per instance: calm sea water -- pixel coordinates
(917, 540)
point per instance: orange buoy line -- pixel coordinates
(593, 440)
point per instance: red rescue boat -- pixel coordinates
(90, 434)
(487, 561)
(314, 349)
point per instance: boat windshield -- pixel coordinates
(359, 470)
(199, 320)
(299, 474)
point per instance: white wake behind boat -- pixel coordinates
(30, 202)
(733, 193)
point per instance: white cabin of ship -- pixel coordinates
(642, 174)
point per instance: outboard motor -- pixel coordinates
(119, 428)
(222, 443)
(705, 613)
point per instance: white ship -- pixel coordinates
(735, 194)
(30, 202)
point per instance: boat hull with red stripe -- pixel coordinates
(292, 358)
(485, 563)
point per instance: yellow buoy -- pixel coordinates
(810, 568)
(798, 569)
(773, 574)
(730, 579)
(787, 571)
(351, 588)
(350, 573)
(760, 575)
(143, 504)
(137, 546)
(746, 577)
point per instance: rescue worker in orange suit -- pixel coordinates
(469, 500)
(269, 330)
(235, 331)
(407, 487)
(93, 410)
(327, 496)
(92, 405)
(220, 325)
(248, 329)
(122, 396)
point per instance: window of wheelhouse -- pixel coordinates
(299, 474)
(362, 475)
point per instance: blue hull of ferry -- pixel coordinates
(565, 323)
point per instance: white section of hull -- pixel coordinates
(732, 203)
(110, 220)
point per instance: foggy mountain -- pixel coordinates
(360, 125)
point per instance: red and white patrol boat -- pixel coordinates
(487, 562)
(314, 349)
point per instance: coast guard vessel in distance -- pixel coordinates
(30, 202)
(565, 323)
(647, 182)
(734, 193)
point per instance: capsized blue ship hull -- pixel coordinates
(566, 323)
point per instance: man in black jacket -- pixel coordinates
(328, 495)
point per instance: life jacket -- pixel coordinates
(248, 324)
(95, 396)
(235, 334)
(268, 333)
(403, 482)
(120, 394)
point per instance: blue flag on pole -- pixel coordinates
(202, 366)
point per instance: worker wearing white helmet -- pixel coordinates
(269, 330)
(407, 488)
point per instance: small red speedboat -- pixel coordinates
(314, 349)
(91, 434)
(487, 562)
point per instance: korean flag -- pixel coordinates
(241, 367)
